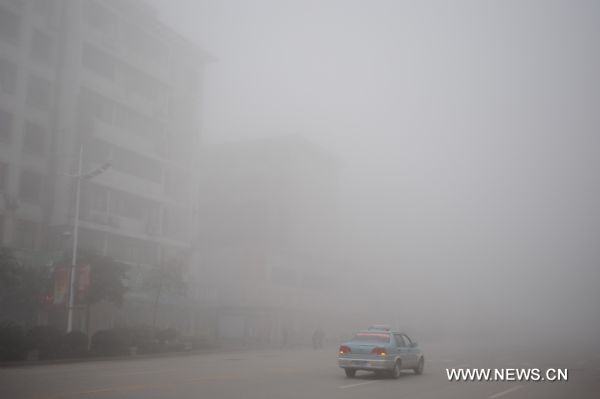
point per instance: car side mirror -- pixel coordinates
(413, 344)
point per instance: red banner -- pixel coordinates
(84, 273)
(62, 281)
(61, 285)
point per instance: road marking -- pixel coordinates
(506, 392)
(210, 379)
(133, 373)
(357, 384)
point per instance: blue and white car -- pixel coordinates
(382, 351)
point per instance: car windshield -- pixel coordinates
(371, 337)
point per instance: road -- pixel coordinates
(300, 373)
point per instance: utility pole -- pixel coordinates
(79, 176)
(75, 243)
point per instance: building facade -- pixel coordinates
(267, 249)
(109, 79)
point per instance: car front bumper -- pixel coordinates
(366, 364)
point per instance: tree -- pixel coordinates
(108, 281)
(164, 278)
(9, 268)
(22, 288)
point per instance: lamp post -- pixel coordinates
(79, 176)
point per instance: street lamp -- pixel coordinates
(79, 176)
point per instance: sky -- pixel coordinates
(468, 131)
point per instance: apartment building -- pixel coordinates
(268, 249)
(28, 111)
(107, 78)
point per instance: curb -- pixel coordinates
(205, 351)
(33, 363)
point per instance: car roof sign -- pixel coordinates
(380, 327)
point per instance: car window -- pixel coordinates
(406, 339)
(399, 340)
(372, 338)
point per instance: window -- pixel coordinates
(15, 4)
(91, 239)
(372, 337)
(42, 47)
(33, 140)
(119, 115)
(144, 44)
(44, 8)
(6, 125)
(25, 235)
(136, 123)
(98, 61)
(8, 76)
(95, 196)
(134, 207)
(100, 18)
(176, 223)
(10, 25)
(125, 204)
(140, 83)
(177, 184)
(399, 340)
(97, 106)
(97, 151)
(30, 187)
(137, 165)
(126, 249)
(39, 93)
(3, 176)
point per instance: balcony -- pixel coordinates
(125, 139)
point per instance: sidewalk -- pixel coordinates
(229, 348)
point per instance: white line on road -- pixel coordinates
(133, 373)
(357, 384)
(506, 392)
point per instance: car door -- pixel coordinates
(403, 350)
(412, 352)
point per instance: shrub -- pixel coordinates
(74, 344)
(148, 347)
(12, 342)
(46, 340)
(109, 343)
(136, 335)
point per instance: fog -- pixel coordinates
(466, 137)
(304, 165)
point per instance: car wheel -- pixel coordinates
(350, 373)
(419, 369)
(395, 372)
